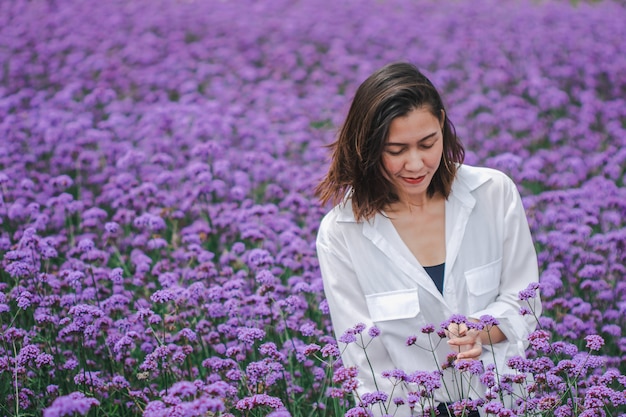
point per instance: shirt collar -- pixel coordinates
(467, 180)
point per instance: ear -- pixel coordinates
(442, 118)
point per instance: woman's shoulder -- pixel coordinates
(474, 177)
(471, 171)
(341, 213)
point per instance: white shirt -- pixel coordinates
(371, 277)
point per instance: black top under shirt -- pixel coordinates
(436, 274)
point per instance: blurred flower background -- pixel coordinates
(157, 162)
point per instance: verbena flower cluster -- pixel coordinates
(157, 217)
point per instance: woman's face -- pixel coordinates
(413, 152)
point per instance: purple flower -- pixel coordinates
(370, 398)
(343, 374)
(112, 227)
(465, 406)
(563, 411)
(68, 405)
(156, 243)
(265, 277)
(494, 407)
(330, 350)
(348, 337)
(188, 335)
(428, 329)
(123, 344)
(395, 374)
(398, 401)
(19, 269)
(93, 217)
(258, 258)
(183, 389)
(249, 334)
(594, 342)
(561, 347)
(116, 275)
(249, 403)
(358, 412)
(374, 332)
(474, 367)
(86, 245)
(612, 330)
(597, 397)
(155, 409)
(265, 371)
(430, 381)
(269, 349)
(163, 296)
(358, 328)
(70, 364)
(24, 300)
(44, 359)
(149, 222)
(62, 182)
(529, 292)
(454, 319)
(311, 348)
(307, 329)
(27, 354)
(488, 321)
(539, 340)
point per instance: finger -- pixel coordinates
(457, 330)
(452, 330)
(460, 359)
(464, 340)
(473, 353)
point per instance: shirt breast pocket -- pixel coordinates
(393, 305)
(483, 284)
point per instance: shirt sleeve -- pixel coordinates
(348, 307)
(519, 270)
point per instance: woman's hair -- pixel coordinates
(392, 91)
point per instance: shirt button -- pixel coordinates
(449, 290)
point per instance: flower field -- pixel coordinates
(157, 217)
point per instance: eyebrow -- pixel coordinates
(419, 141)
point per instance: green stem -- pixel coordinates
(443, 381)
(17, 390)
(93, 280)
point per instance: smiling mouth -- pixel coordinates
(413, 181)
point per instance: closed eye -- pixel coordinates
(394, 152)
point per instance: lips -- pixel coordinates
(413, 181)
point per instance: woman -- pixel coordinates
(417, 237)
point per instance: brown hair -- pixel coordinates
(392, 91)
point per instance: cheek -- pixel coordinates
(391, 165)
(435, 158)
(435, 161)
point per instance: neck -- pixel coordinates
(415, 205)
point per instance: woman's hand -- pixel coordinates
(466, 342)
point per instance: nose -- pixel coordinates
(414, 162)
